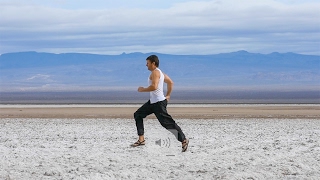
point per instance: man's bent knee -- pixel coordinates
(136, 115)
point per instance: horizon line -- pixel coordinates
(130, 53)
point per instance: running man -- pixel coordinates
(157, 104)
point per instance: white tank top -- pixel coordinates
(157, 95)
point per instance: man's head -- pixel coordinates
(153, 59)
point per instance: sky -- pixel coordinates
(166, 26)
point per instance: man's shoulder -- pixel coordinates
(156, 71)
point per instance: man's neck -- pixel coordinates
(153, 69)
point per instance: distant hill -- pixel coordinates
(33, 71)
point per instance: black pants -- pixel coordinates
(160, 110)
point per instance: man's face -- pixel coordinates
(151, 66)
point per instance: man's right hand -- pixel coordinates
(140, 89)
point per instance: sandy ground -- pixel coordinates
(226, 142)
(177, 111)
(238, 148)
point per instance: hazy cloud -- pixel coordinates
(39, 77)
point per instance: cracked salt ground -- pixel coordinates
(219, 149)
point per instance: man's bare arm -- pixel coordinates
(155, 77)
(169, 83)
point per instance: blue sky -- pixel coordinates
(175, 27)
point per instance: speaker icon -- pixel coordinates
(158, 142)
(163, 142)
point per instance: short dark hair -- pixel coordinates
(153, 58)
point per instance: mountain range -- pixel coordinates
(34, 71)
